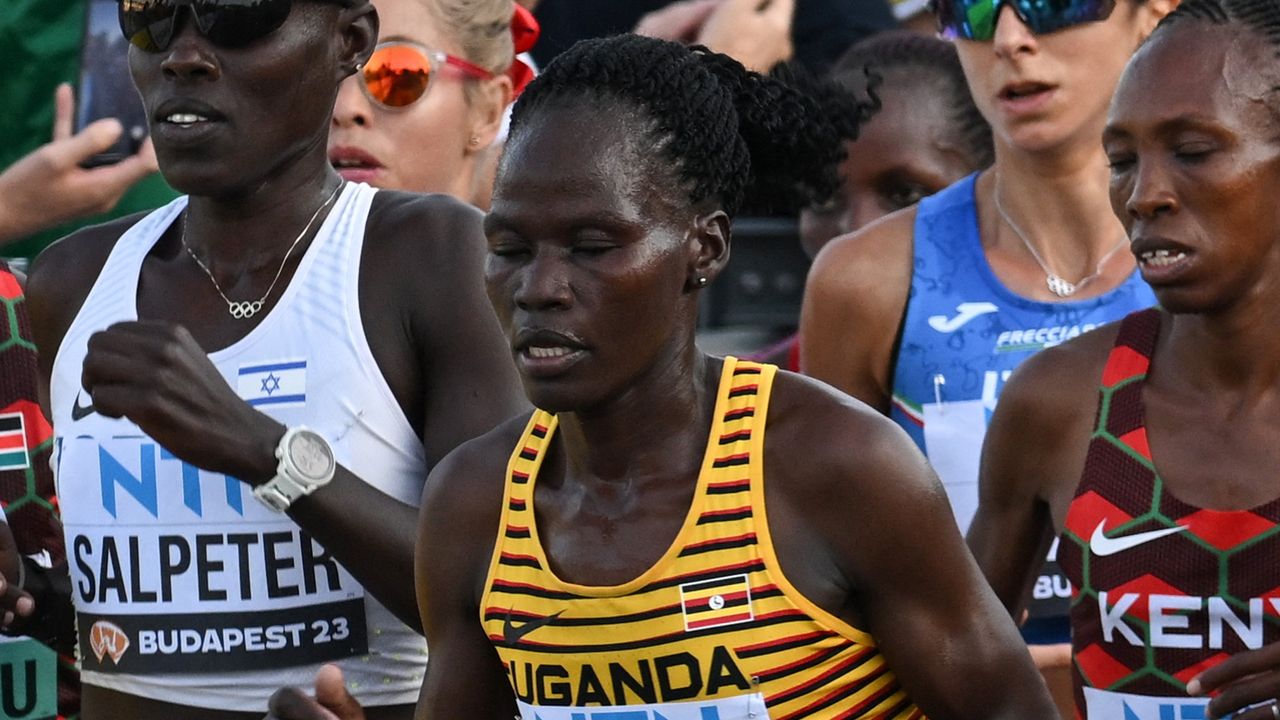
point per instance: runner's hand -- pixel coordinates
(48, 187)
(158, 376)
(14, 603)
(679, 21)
(1242, 681)
(332, 701)
(756, 33)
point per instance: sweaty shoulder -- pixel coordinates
(837, 447)
(420, 223)
(1039, 435)
(853, 306)
(62, 276)
(462, 500)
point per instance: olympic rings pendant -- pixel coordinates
(244, 309)
(1060, 287)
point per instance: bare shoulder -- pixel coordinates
(63, 274)
(1059, 382)
(465, 489)
(872, 265)
(425, 226)
(837, 449)
(854, 302)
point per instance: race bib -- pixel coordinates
(178, 570)
(28, 680)
(1103, 705)
(742, 707)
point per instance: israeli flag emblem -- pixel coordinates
(273, 385)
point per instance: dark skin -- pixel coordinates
(906, 151)
(260, 167)
(1196, 166)
(591, 253)
(903, 153)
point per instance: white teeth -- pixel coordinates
(548, 352)
(1162, 258)
(186, 119)
(348, 164)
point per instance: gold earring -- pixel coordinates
(474, 141)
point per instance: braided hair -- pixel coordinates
(1260, 16)
(732, 136)
(931, 59)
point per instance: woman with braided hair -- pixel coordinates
(672, 534)
(1151, 446)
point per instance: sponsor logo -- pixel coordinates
(717, 602)
(739, 706)
(511, 632)
(964, 313)
(108, 640)
(13, 442)
(1100, 544)
(80, 412)
(274, 384)
(1037, 338)
(1124, 706)
(1184, 622)
(616, 679)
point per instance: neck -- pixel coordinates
(657, 428)
(1060, 201)
(251, 227)
(1234, 349)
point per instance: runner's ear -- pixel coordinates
(708, 244)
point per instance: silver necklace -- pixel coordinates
(245, 309)
(1058, 285)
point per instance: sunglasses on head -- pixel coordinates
(151, 25)
(976, 19)
(398, 74)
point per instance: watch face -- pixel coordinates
(310, 455)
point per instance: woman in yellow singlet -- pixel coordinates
(674, 535)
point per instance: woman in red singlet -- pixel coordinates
(1151, 445)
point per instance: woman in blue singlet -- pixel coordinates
(924, 314)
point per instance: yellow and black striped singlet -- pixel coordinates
(713, 631)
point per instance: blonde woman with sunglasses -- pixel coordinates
(249, 385)
(425, 112)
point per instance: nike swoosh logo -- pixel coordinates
(1100, 544)
(80, 412)
(964, 313)
(512, 632)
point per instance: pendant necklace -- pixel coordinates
(245, 309)
(1057, 284)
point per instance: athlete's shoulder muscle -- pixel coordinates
(853, 307)
(61, 278)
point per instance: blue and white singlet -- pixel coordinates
(964, 333)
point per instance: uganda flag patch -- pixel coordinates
(13, 442)
(716, 602)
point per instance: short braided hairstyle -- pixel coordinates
(932, 59)
(731, 136)
(1260, 16)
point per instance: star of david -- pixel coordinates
(270, 383)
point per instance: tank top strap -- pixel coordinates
(1130, 358)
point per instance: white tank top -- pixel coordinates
(187, 589)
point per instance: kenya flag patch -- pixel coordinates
(13, 442)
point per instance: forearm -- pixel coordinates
(371, 534)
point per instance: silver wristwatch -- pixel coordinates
(306, 465)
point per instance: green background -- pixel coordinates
(39, 48)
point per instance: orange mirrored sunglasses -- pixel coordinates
(399, 73)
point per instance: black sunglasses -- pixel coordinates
(150, 25)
